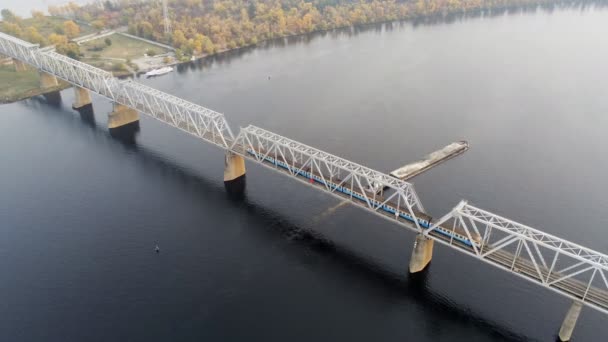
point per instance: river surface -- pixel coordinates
(81, 210)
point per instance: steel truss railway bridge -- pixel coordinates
(566, 268)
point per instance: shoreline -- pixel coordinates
(416, 20)
(421, 19)
(34, 92)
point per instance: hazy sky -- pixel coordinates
(23, 7)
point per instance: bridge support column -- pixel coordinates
(47, 80)
(422, 253)
(19, 65)
(82, 97)
(121, 116)
(565, 332)
(234, 172)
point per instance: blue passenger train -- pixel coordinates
(423, 221)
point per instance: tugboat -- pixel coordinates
(158, 72)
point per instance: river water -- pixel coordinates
(81, 210)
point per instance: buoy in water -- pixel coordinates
(157, 249)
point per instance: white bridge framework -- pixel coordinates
(560, 265)
(564, 267)
(204, 123)
(258, 144)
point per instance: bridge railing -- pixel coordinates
(376, 188)
(555, 263)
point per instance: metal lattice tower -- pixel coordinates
(166, 20)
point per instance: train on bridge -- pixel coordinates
(423, 220)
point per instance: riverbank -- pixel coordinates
(428, 19)
(17, 86)
(119, 57)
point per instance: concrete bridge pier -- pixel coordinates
(19, 65)
(565, 332)
(422, 253)
(47, 80)
(121, 116)
(82, 97)
(234, 172)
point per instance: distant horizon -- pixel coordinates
(24, 8)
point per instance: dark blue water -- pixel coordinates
(81, 210)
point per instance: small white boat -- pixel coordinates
(158, 72)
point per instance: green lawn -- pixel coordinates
(14, 85)
(122, 47)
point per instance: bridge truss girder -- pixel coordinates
(18, 49)
(204, 123)
(329, 168)
(562, 266)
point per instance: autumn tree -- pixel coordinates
(145, 29)
(33, 36)
(178, 38)
(71, 50)
(7, 15)
(54, 10)
(208, 46)
(71, 29)
(38, 15)
(58, 39)
(12, 29)
(98, 24)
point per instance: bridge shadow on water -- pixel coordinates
(299, 240)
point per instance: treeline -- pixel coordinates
(207, 26)
(43, 30)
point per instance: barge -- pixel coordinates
(413, 169)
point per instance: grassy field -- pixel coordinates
(122, 47)
(47, 26)
(15, 86)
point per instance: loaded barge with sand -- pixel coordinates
(413, 169)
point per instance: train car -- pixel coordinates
(422, 219)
